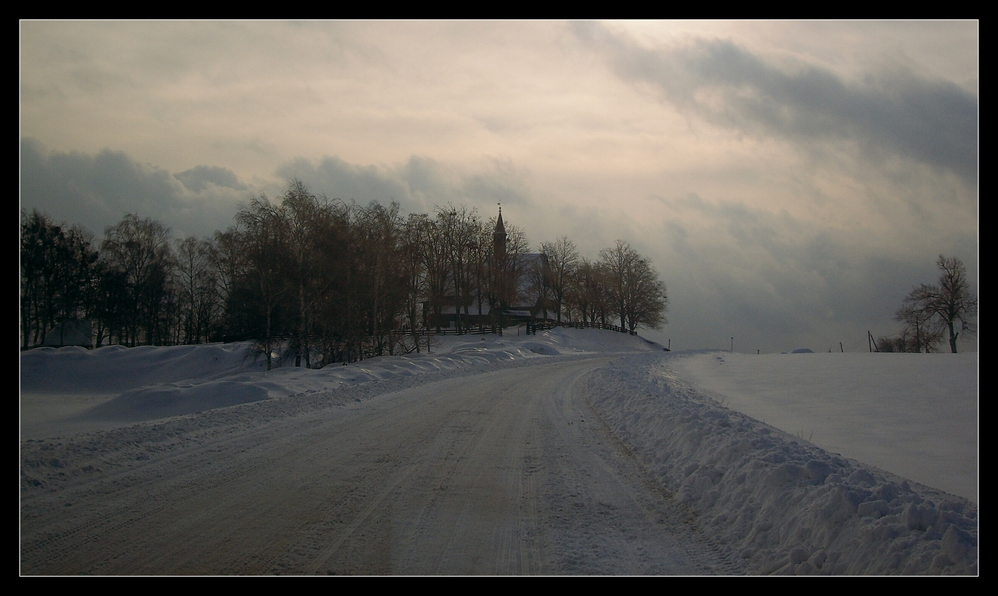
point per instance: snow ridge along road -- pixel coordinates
(505, 472)
(784, 505)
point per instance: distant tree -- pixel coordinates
(414, 277)
(56, 273)
(197, 289)
(108, 296)
(482, 258)
(910, 341)
(460, 231)
(887, 343)
(139, 250)
(921, 332)
(307, 274)
(538, 278)
(314, 233)
(639, 297)
(381, 275)
(563, 258)
(436, 259)
(230, 264)
(938, 308)
(263, 241)
(588, 293)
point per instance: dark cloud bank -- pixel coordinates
(97, 190)
(887, 114)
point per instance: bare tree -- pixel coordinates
(230, 267)
(197, 288)
(648, 300)
(538, 272)
(588, 294)
(438, 269)
(413, 240)
(563, 258)
(57, 267)
(639, 297)
(378, 231)
(140, 250)
(460, 229)
(312, 225)
(263, 238)
(946, 304)
(921, 332)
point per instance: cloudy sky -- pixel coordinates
(790, 181)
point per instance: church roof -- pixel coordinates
(500, 227)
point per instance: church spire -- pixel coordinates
(500, 228)
(499, 237)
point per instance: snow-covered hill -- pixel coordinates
(778, 502)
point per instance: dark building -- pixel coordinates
(515, 291)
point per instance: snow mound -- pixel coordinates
(177, 400)
(147, 383)
(596, 340)
(113, 369)
(545, 349)
(781, 504)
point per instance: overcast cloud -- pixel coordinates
(789, 181)
(887, 114)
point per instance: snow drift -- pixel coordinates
(781, 504)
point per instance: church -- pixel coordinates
(511, 289)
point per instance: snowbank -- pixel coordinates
(912, 414)
(148, 383)
(783, 505)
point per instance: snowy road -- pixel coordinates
(506, 472)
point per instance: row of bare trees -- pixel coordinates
(139, 287)
(320, 281)
(56, 265)
(621, 286)
(931, 314)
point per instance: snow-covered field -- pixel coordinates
(796, 494)
(912, 414)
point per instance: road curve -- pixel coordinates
(505, 472)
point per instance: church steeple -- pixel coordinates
(499, 237)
